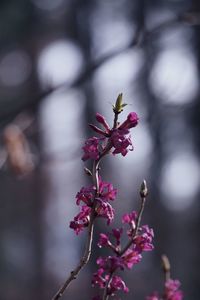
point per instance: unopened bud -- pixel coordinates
(100, 118)
(87, 171)
(165, 263)
(102, 121)
(143, 189)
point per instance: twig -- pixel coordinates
(81, 264)
(86, 256)
(88, 247)
(105, 292)
(143, 194)
(166, 266)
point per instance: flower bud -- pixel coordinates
(102, 121)
(165, 263)
(119, 105)
(133, 119)
(143, 189)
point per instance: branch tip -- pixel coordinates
(143, 189)
(165, 263)
(119, 105)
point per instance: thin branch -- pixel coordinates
(82, 262)
(143, 194)
(105, 292)
(166, 267)
(88, 247)
(135, 232)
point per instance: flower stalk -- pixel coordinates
(95, 201)
(96, 197)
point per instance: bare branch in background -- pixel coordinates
(137, 40)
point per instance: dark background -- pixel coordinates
(60, 62)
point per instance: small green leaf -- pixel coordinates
(119, 105)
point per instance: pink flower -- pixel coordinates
(117, 233)
(172, 291)
(91, 149)
(106, 191)
(86, 195)
(131, 121)
(118, 138)
(110, 263)
(102, 262)
(117, 284)
(130, 218)
(104, 210)
(120, 141)
(98, 278)
(81, 220)
(103, 240)
(131, 258)
(121, 260)
(143, 242)
(102, 207)
(102, 121)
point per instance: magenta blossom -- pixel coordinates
(130, 218)
(85, 195)
(118, 138)
(102, 121)
(91, 149)
(131, 121)
(98, 278)
(131, 258)
(121, 140)
(106, 191)
(103, 240)
(143, 242)
(117, 284)
(110, 263)
(117, 233)
(103, 208)
(81, 220)
(172, 291)
(125, 257)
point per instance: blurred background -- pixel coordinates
(60, 62)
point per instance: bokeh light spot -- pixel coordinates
(174, 76)
(59, 62)
(180, 180)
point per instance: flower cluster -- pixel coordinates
(171, 291)
(89, 197)
(95, 202)
(117, 138)
(126, 258)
